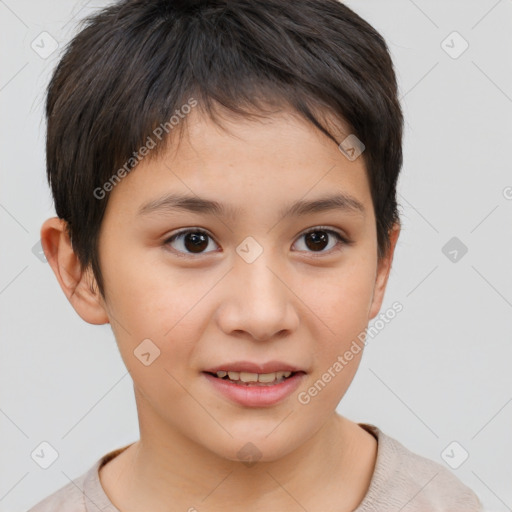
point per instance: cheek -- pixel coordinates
(149, 302)
(156, 341)
(150, 294)
(342, 303)
(342, 299)
(342, 307)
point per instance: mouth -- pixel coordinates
(254, 379)
(255, 385)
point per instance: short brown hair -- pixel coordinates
(137, 61)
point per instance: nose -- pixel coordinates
(258, 301)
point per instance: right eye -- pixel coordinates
(190, 241)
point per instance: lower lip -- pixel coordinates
(255, 395)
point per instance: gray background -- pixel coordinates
(439, 372)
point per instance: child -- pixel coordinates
(224, 175)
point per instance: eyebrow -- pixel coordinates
(171, 203)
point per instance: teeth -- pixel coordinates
(267, 377)
(248, 377)
(264, 378)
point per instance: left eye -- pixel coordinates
(317, 239)
(196, 241)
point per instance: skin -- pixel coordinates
(292, 304)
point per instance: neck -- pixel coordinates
(166, 467)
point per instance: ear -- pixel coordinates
(383, 270)
(76, 284)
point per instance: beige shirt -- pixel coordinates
(401, 481)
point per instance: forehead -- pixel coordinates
(245, 164)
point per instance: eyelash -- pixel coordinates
(342, 240)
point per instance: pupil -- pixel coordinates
(318, 242)
(199, 242)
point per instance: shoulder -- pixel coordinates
(83, 494)
(402, 477)
(69, 498)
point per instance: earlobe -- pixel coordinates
(75, 283)
(383, 271)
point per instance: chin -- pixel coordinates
(252, 448)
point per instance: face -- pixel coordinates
(250, 287)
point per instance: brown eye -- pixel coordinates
(318, 239)
(191, 241)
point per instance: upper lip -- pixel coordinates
(250, 367)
